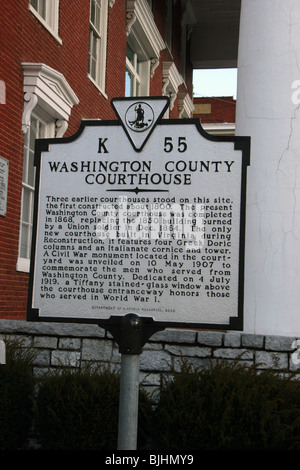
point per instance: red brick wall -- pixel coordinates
(12, 285)
(24, 39)
(222, 109)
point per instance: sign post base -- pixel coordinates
(131, 339)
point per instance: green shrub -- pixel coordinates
(80, 410)
(228, 407)
(16, 396)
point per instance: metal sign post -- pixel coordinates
(2, 352)
(130, 349)
(129, 401)
(131, 333)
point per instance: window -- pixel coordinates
(97, 45)
(138, 71)
(47, 12)
(48, 100)
(132, 79)
(40, 7)
(38, 129)
(144, 44)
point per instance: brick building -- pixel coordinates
(61, 62)
(217, 114)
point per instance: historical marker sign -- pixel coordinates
(140, 215)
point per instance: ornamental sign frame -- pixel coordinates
(140, 215)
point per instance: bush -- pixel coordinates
(16, 396)
(80, 410)
(228, 407)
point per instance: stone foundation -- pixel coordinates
(73, 345)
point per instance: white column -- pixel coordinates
(268, 110)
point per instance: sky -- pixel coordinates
(220, 82)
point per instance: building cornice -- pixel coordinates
(50, 89)
(171, 81)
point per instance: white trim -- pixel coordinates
(48, 93)
(100, 80)
(97, 86)
(171, 81)
(225, 128)
(61, 127)
(185, 105)
(48, 88)
(142, 32)
(140, 72)
(136, 78)
(23, 265)
(30, 102)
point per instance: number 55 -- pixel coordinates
(181, 145)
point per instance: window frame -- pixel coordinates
(49, 98)
(51, 19)
(100, 33)
(48, 123)
(132, 67)
(144, 39)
